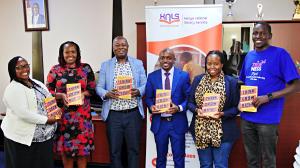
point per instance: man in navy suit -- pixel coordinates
(171, 125)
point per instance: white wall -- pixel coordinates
(88, 23)
(13, 39)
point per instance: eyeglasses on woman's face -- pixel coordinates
(22, 70)
(21, 67)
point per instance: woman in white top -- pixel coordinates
(27, 130)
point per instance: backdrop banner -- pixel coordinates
(190, 30)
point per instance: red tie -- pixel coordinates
(167, 81)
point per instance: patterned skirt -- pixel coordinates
(75, 133)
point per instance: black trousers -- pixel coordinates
(260, 142)
(38, 155)
(122, 125)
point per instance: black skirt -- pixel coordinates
(38, 155)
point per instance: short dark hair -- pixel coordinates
(120, 38)
(186, 56)
(61, 59)
(167, 50)
(266, 25)
(219, 54)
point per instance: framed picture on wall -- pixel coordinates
(36, 15)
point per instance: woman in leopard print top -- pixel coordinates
(214, 132)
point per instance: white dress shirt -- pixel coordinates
(35, 19)
(163, 79)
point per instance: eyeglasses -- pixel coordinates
(21, 67)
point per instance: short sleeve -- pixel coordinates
(288, 68)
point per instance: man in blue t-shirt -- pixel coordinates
(272, 70)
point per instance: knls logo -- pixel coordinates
(169, 18)
(257, 66)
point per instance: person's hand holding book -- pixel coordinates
(260, 100)
(113, 94)
(63, 97)
(215, 115)
(154, 109)
(173, 109)
(135, 92)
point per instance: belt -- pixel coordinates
(166, 118)
(126, 111)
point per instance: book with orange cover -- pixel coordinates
(74, 94)
(248, 93)
(52, 108)
(124, 86)
(211, 103)
(163, 100)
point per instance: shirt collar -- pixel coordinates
(127, 60)
(171, 71)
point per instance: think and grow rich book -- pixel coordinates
(52, 108)
(74, 94)
(248, 93)
(163, 100)
(211, 103)
(124, 86)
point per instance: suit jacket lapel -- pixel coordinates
(111, 72)
(175, 80)
(159, 79)
(227, 88)
(134, 73)
(158, 82)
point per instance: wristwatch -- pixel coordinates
(270, 96)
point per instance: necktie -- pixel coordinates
(167, 81)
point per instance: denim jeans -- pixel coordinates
(260, 142)
(215, 156)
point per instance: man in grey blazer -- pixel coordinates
(123, 117)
